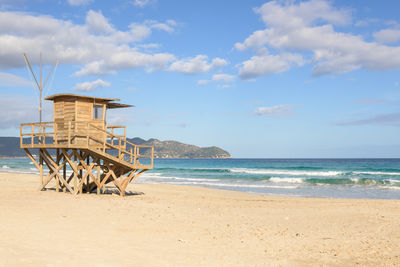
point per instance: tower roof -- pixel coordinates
(100, 100)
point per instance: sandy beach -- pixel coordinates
(164, 225)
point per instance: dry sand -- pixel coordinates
(162, 225)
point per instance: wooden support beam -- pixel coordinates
(104, 181)
(88, 171)
(65, 173)
(131, 177)
(125, 181)
(32, 158)
(52, 165)
(116, 183)
(76, 173)
(70, 178)
(41, 169)
(88, 177)
(54, 168)
(57, 177)
(73, 164)
(98, 179)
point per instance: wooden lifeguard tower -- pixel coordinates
(79, 142)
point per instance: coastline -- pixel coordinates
(14, 157)
(332, 178)
(170, 225)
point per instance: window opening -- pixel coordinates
(97, 112)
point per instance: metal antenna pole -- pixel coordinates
(30, 67)
(41, 89)
(48, 76)
(40, 84)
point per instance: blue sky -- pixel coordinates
(257, 78)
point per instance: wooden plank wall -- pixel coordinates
(59, 119)
(78, 112)
(84, 110)
(98, 123)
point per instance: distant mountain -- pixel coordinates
(9, 147)
(174, 149)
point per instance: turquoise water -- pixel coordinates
(337, 178)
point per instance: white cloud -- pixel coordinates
(202, 82)
(7, 79)
(141, 31)
(309, 27)
(366, 22)
(268, 64)
(274, 111)
(149, 46)
(96, 45)
(223, 80)
(387, 36)
(222, 77)
(168, 26)
(95, 67)
(141, 3)
(90, 86)
(97, 23)
(79, 2)
(196, 64)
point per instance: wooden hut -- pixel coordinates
(94, 152)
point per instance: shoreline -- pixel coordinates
(171, 225)
(14, 157)
(194, 187)
(340, 194)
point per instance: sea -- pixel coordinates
(327, 178)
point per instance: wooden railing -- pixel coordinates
(85, 134)
(39, 132)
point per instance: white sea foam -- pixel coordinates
(393, 182)
(196, 179)
(5, 167)
(391, 187)
(235, 185)
(286, 172)
(152, 174)
(156, 177)
(286, 180)
(378, 182)
(379, 173)
(149, 176)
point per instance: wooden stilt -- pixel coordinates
(41, 168)
(80, 172)
(57, 180)
(65, 174)
(54, 168)
(75, 172)
(98, 179)
(88, 177)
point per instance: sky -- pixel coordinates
(261, 79)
